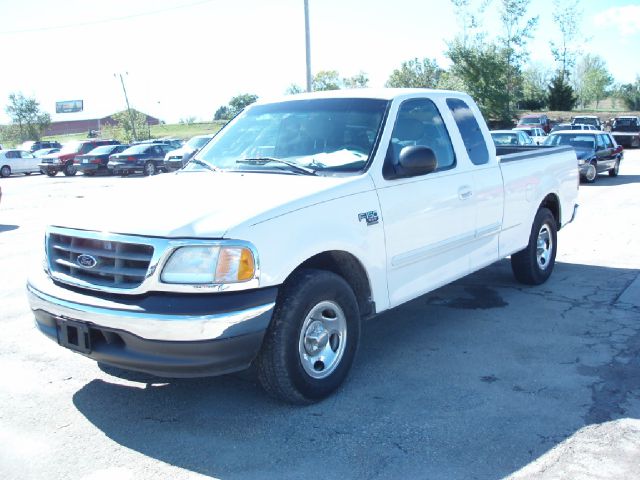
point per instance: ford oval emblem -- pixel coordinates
(86, 261)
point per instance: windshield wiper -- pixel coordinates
(203, 164)
(265, 160)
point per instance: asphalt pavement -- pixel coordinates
(484, 378)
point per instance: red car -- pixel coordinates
(64, 159)
(535, 120)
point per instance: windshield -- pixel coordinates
(585, 142)
(585, 120)
(71, 147)
(197, 142)
(321, 134)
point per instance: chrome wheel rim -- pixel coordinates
(149, 169)
(323, 339)
(544, 247)
(591, 172)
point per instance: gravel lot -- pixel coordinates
(483, 378)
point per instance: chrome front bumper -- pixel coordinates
(165, 322)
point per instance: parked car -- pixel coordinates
(147, 158)
(597, 151)
(537, 134)
(178, 158)
(18, 161)
(535, 120)
(97, 159)
(511, 137)
(32, 146)
(174, 142)
(572, 126)
(45, 151)
(588, 120)
(626, 131)
(297, 221)
(64, 159)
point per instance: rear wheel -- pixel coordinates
(69, 170)
(534, 264)
(149, 169)
(5, 171)
(51, 172)
(312, 339)
(616, 168)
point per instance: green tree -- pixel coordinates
(535, 83)
(592, 80)
(28, 122)
(416, 73)
(561, 96)
(567, 17)
(630, 94)
(482, 67)
(326, 80)
(240, 102)
(122, 129)
(222, 113)
(517, 30)
(293, 89)
(359, 80)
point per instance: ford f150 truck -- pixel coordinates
(298, 220)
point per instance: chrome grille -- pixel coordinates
(102, 263)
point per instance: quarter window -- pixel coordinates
(470, 131)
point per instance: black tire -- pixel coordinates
(69, 169)
(283, 362)
(149, 169)
(613, 172)
(530, 266)
(5, 171)
(89, 174)
(51, 172)
(592, 175)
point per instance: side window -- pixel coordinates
(27, 155)
(419, 124)
(13, 154)
(607, 141)
(600, 141)
(470, 131)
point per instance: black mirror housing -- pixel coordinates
(416, 160)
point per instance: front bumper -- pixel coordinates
(175, 335)
(90, 167)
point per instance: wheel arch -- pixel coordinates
(552, 203)
(348, 267)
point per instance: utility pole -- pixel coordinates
(126, 99)
(307, 37)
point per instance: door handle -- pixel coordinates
(465, 192)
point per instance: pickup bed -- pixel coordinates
(298, 220)
(626, 131)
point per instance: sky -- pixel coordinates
(185, 58)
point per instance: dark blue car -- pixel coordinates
(147, 158)
(97, 159)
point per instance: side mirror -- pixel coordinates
(416, 160)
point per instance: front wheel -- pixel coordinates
(51, 172)
(534, 264)
(312, 340)
(615, 170)
(591, 173)
(69, 170)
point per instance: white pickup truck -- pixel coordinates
(298, 220)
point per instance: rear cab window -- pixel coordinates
(470, 131)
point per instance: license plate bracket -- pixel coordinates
(74, 335)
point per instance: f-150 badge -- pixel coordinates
(370, 217)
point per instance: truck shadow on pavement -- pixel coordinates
(475, 380)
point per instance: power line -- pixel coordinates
(105, 20)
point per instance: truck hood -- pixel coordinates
(202, 204)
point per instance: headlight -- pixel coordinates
(581, 161)
(209, 265)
